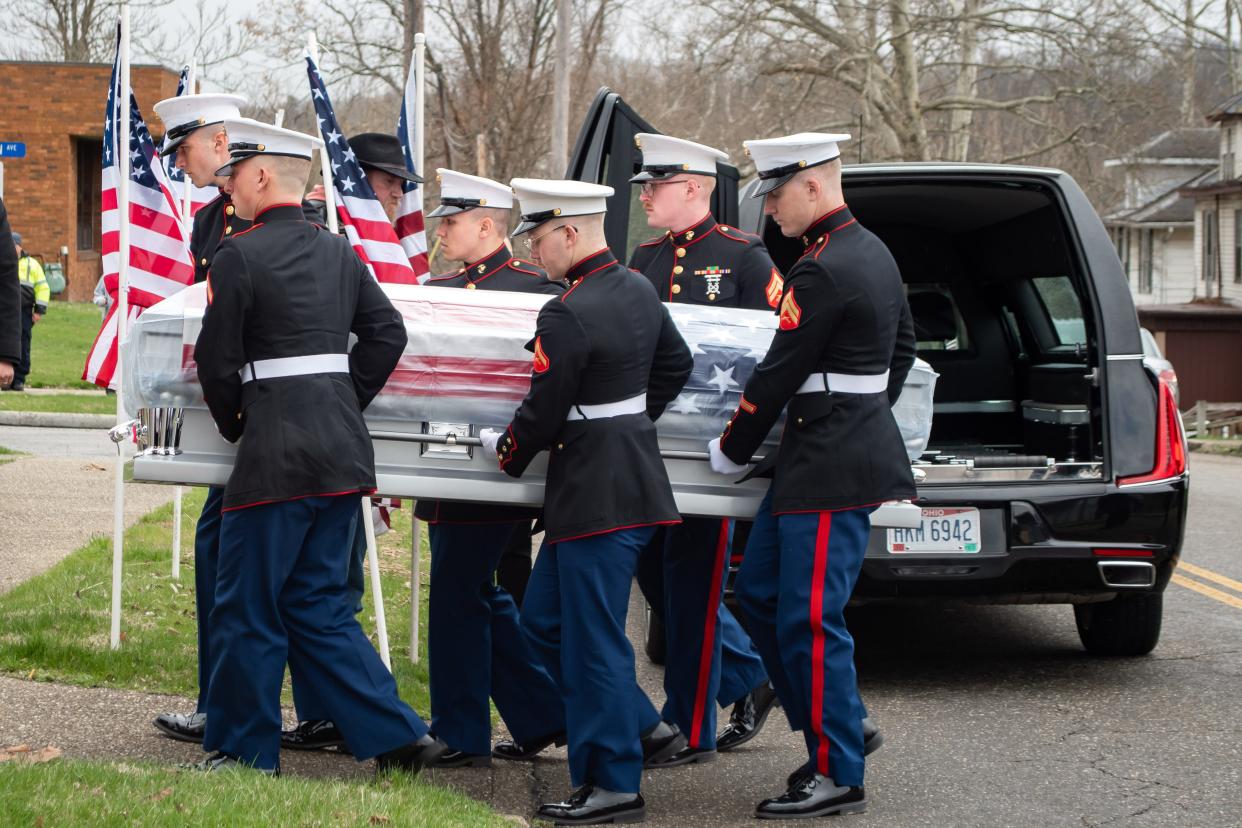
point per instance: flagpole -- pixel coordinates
(121, 126)
(418, 59)
(187, 222)
(325, 163)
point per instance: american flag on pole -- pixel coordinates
(366, 225)
(410, 226)
(198, 195)
(159, 257)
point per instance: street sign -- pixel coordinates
(12, 149)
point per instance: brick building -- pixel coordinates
(52, 194)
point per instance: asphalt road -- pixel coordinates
(992, 716)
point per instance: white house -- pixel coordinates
(1218, 211)
(1154, 225)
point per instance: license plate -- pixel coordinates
(941, 529)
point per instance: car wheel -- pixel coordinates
(1125, 626)
(654, 642)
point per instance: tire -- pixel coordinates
(654, 642)
(1126, 626)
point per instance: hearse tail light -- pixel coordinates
(1170, 441)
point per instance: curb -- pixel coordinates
(1223, 449)
(53, 419)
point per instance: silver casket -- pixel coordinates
(466, 367)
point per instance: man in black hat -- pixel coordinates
(384, 164)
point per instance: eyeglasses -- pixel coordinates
(532, 243)
(647, 188)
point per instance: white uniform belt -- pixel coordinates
(295, 366)
(634, 405)
(845, 383)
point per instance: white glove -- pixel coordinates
(720, 463)
(490, 437)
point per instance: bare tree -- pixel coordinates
(72, 31)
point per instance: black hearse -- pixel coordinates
(1057, 469)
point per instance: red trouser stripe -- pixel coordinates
(709, 634)
(822, 533)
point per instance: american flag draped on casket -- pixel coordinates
(466, 366)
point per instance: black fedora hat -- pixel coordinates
(383, 152)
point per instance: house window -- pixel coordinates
(1123, 250)
(1237, 246)
(88, 207)
(1209, 246)
(1146, 249)
(1227, 156)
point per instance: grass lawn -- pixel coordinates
(7, 455)
(59, 345)
(107, 794)
(54, 627)
(65, 403)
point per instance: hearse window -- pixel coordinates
(1063, 309)
(938, 324)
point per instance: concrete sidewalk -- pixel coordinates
(54, 499)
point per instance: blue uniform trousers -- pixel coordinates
(476, 647)
(281, 596)
(310, 707)
(206, 554)
(710, 659)
(574, 616)
(796, 577)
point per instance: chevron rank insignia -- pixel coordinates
(791, 314)
(775, 285)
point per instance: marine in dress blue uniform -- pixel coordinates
(836, 364)
(476, 648)
(607, 360)
(710, 658)
(202, 116)
(283, 299)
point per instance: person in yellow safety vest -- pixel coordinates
(35, 296)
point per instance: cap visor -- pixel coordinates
(169, 147)
(648, 175)
(445, 210)
(767, 185)
(526, 227)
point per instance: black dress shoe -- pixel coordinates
(661, 742)
(181, 727)
(685, 756)
(413, 757)
(594, 806)
(314, 734)
(220, 762)
(460, 759)
(813, 795)
(515, 751)
(747, 718)
(872, 738)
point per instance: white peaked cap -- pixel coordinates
(248, 138)
(543, 199)
(186, 113)
(665, 156)
(460, 192)
(779, 159)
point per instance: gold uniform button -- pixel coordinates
(499, 456)
(228, 230)
(799, 421)
(228, 211)
(820, 240)
(204, 262)
(677, 270)
(711, 297)
(560, 446)
(470, 286)
(676, 289)
(681, 252)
